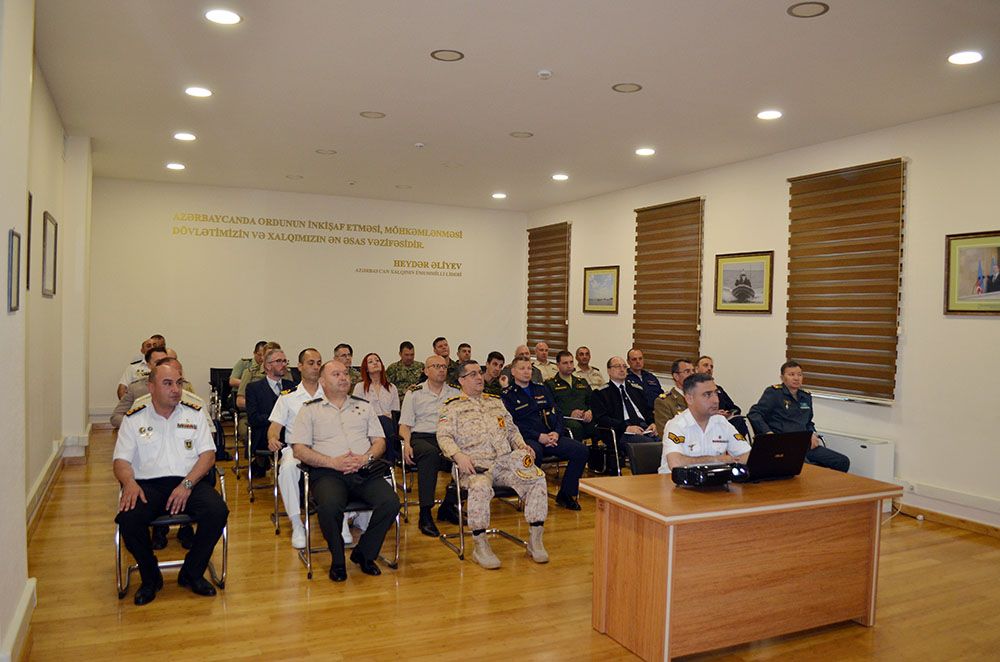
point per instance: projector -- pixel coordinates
(709, 475)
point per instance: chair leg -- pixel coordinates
(309, 567)
(274, 485)
(122, 584)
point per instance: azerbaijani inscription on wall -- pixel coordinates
(336, 233)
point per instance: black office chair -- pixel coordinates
(124, 578)
(644, 457)
(272, 458)
(501, 493)
(305, 554)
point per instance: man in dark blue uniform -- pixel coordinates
(785, 407)
(727, 407)
(540, 423)
(650, 384)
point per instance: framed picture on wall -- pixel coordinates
(600, 289)
(13, 271)
(744, 282)
(50, 239)
(972, 273)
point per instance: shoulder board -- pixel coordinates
(354, 397)
(414, 387)
(137, 362)
(739, 436)
(135, 409)
(776, 386)
(676, 438)
(287, 391)
(452, 399)
(489, 395)
(312, 402)
(662, 395)
(192, 405)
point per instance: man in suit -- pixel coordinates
(993, 280)
(621, 406)
(261, 396)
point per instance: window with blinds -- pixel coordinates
(844, 266)
(548, 286)
(668, 248)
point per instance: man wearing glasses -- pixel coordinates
(477, 433)
(621, 406)
(261, 396)
(672, 402)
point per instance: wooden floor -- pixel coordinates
(939, 595)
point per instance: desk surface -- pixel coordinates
(656, 496)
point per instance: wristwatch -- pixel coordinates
(187, 484)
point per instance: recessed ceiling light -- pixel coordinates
(223, 16)
(175, 166)
(808, 9)
(626, 88)
(403, 186)
(326, 152)
(372, 114)
(447, 55)
(184, 135)
(560, 177)
(645, 151)
(769, 114)
(965, 57)
(198, 92)
(499, 196)
(521, 134)
(293, 176)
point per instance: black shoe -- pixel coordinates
(146, 592)
(427, 527)
(198, 585)
(338, 573)
(160, 537)
(448, 513)
(367, 567)
(567, 502)
(185, 536)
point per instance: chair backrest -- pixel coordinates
(644, 457)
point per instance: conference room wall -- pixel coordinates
(213, 297)
(945, 416)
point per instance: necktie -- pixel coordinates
(277, 388)
(630, 413)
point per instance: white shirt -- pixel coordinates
(383, 401)
(618, 387)
(422, 407)
(156, 446)
(683, 435)
(134, 371)
(288, 405)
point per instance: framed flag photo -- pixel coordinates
(972, 273)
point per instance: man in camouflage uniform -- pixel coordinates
(572, 395)
(476, 432)
(345, 354)
(405, 372)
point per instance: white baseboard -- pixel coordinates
(39, 488)
(76, 445)
(17, 630)
(984, 510)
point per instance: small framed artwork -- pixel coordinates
(600, 289)
(744, 282)
(13, 271)
(50, 240)
(972, 273)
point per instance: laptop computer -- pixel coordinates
(777, 456)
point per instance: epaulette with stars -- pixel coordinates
(135, 409)
(452, 399)
(191, 405)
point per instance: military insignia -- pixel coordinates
(191, 405)
(787, 404)
(187, 426)
(662, 395)
(530, 471)
(502, 423)
(146, 433)
(677, 439)
(188, 444)
(135, 409)
(414, 387)
(287, 391)
(527, 461)
(313, 401)
(522, 406)
(739, 436)
(452, 399)
(491, 395)
(778, 386)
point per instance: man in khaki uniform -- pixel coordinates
(583, 369)
(541, 361)
(672, 402)
(476, 432)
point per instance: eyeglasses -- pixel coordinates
(436, 365)
(617, 365)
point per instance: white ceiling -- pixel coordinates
(295, 74)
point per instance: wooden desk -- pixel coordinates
(679, 571)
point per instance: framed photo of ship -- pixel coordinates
(744, 282)
(972, 273)
(600, 289)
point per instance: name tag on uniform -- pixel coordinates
(188, 444)
(187, 426)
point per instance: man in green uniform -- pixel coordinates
(572, 396)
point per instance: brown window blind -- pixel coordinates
(548, 286)
(668, 243)
(844, 260)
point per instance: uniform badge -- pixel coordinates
(677, 439)
(187, 426)
(739, 436)
(527, 461)
(787, 403)
(146, 433)
(501, 422)
(188, 444)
